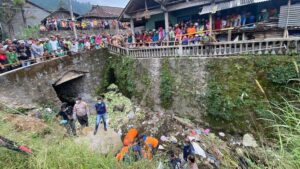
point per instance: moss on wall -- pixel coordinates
(122, 68)
(233, 98)
(166, 85)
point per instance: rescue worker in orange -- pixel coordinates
(122, 153)
(130, 136)
(150, 146)
(128, 141)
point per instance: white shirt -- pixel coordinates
(87, 45)
(74, 47)
(54, 44)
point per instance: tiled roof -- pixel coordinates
(104, 12)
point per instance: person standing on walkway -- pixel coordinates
(101, 114)
(81, 112)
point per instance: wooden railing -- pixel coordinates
(215, 49)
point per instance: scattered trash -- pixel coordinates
(198, 150)
(221, 134)
(160, 147)
(199, 132)
(130, 115)
(213, 160)
(206, 131)
(48, 110)
(164, 138)
(193, 132)
(173, 140)
(249, 141)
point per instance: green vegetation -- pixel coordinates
(233, 99)
(119, 70)
(52, 149)
(32, 32)
(166, 85)
(284, 150)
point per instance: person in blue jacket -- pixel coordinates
(101, 113)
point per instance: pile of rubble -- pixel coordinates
(213, 149)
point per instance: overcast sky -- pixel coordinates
(118, 3)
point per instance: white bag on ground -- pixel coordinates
(198, 150)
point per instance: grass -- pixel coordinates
(57, 151)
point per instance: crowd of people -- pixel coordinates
(16, 53)
(195, 32)
(21, 53)
(54, 24)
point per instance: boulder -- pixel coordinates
(249, 141)
(106, 142)
(120, 108)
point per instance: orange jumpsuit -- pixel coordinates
(151, 141)
(130, 136)
(122, 153)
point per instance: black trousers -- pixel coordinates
(71, 129)
(83, 120)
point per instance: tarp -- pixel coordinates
(213, 8)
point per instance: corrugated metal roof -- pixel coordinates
(227, 5)
(292, 16)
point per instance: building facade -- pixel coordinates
(226, 20)
(101, 16)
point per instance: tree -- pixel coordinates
(7, 14)
(20, 4)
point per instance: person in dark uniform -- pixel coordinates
(66, 113)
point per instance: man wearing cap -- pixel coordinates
(81, 112)
(24, 53)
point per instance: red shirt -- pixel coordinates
(218, 24)
(3, 57)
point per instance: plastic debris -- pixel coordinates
(198, 150)
(213, 160)
(164, 138)
(199, 132)
(221, 134)
(160, 147)
(48, 110)
(130, 115)
(249, 141)
(206, 131)
(193, 132)
(173, 139)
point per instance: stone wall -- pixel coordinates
(32, 86)
(188, 85)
